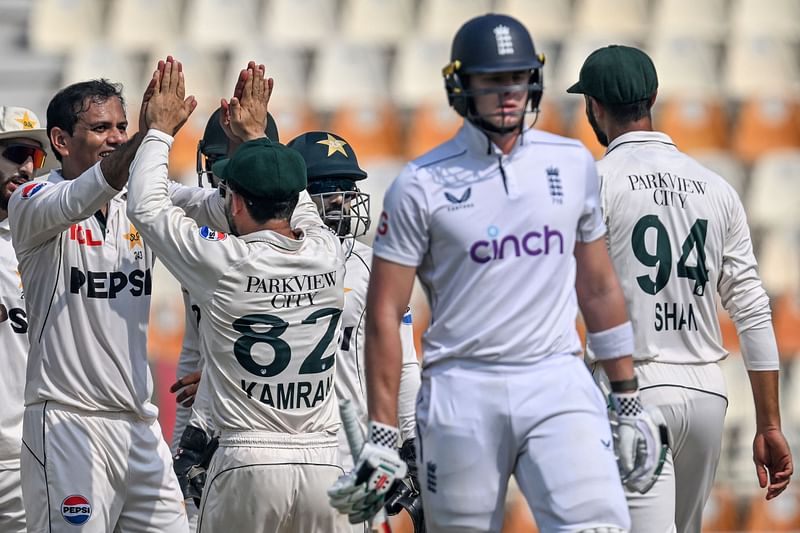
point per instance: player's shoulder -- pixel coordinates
(361, 252)
(535, 137)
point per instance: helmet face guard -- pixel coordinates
(203, 163)
(342, 206)
(462, 99)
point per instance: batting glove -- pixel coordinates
(189, 453)
(640, 441)
(360, 494)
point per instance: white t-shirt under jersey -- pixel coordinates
(87, 290)
(492, 237)
(14, 342)
(677, 234)
(270, 305)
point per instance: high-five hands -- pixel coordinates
(244, 117)
(166, 106)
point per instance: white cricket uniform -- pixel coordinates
(677, 235)
(270, 307)
(14, 340)
(189, 361)
(350, 378)
(492, 239)
(94, 453)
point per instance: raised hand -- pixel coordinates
(244, 117)
(168, 108)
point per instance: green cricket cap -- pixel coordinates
(617, 74)
(264, 169)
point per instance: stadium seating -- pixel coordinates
(688, 66)
(374, 130)
(430, 125)
(140, 25)
(772, 199)
(720, 513)
(780, 514)
(377, 22)
(416, 78)
(440, 19)
(47, 31)
(624, 18)
(580, 129)
(726, 165)
(766, 125)
(206, 28)
(689, 18)
(761, 65)
(306, 23)
(693, 123)
(778, 18)
(546, 19)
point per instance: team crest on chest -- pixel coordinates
(554, 185)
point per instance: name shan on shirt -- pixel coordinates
(669, 190)
(292, 291)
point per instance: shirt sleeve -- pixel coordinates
(41, 210)
(197, 256)
(402, 234)
(410, 379)
(305, 214)
(590, 224)
(742, 293)
(205, 206)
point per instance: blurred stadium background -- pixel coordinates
(370, 70)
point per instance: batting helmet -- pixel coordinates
(214, 145)
(487, 44)
(333, 171)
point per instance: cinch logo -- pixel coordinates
(532, 243)
(76, 509)
(32, 188)
(212, 235)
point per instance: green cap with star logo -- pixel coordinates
(327, 155)
(617, 74)
(264, 169)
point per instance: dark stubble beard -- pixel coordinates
(602, 138)
(231, 223)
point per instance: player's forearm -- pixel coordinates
(116, 166)
(765, 396)
(383, 361)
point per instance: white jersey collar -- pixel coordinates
(476, 140)
(636, 137)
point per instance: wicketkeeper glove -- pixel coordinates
(190, 451)
(640, 440)
(360, 493)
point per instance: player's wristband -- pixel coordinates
(611, 343)
(382, 435)
(625, 385)
(626, 403)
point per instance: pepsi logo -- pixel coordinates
(212, 235)
(76, 509)
(32, 188)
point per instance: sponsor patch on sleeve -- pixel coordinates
(212, 235)
(32, 188)
(407, 317)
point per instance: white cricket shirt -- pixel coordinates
(14, 342)
(87, 290)
(677, 234)
(350, 377)
(492, 238)
(270, 305)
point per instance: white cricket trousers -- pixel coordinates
(97, 472)
(12, 512)
(266, 482)
(545, 423)
(693, 400)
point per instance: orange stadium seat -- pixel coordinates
(430, 126)
(786, 321)
(550, 118)
(518, 517)
(764, 125)
(780, 514)
(292, 121)
(375, 132)
(721, 512)
(693, 124)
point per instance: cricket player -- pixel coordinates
(333, 172)
(270, 295)
(213, 146)
(502, 225)
(678, 236)
(23, 151)
(93, 453)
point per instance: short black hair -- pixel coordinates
(66, 106)
(626, 113)
(264, 209)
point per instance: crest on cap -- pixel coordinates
(22, 123)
